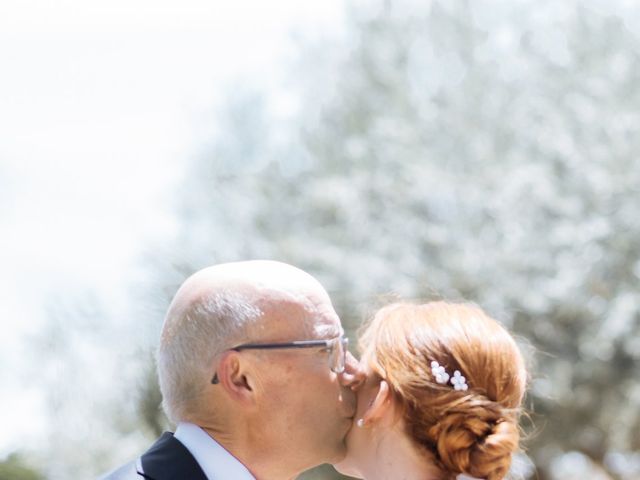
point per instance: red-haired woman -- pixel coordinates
(443, 395)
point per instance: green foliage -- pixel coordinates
(14, 467)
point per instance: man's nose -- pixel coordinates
(353, 376)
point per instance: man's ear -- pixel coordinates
(380, 404)
(234, 378)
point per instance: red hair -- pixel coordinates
(475, 431)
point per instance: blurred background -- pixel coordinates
(484, 150)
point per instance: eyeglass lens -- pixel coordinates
(338, 354)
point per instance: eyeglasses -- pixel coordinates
(337, 348)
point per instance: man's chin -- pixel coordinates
(345, 468)
(345, 442)
(350, 422)
(336, 455)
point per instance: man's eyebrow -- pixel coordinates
(328, 331)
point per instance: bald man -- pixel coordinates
(254, 371)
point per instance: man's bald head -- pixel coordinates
(259, 280)
(219, 307)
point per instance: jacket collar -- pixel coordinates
(168, 459)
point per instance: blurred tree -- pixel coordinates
(484, 151)
(97, 384)
(15, 467)
(481, 150)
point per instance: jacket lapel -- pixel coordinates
(168, 459)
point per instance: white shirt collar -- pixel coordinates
(216, 462)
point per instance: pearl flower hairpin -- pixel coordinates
(439, 372)
(458, 381)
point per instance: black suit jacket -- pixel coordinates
(167, 459)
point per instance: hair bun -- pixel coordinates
(471, 430)
(478, 442)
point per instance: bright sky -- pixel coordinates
(99, 106)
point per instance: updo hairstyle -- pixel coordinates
(476, 431)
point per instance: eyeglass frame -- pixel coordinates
(295, 344)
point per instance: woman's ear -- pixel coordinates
(379, 406)
(233, 377)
